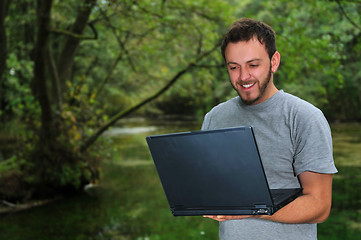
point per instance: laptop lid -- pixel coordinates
(212, 172)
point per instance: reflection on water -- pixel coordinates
(116, 131)
(130, 204)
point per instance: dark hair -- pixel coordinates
(245, 29)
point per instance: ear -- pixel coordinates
(275, 61)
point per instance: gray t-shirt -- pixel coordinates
(293, 136)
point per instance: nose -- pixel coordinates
(244, 74)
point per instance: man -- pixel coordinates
(293, 137)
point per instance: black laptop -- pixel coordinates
(215, 172)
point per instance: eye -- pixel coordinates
(233, 68)
(254, 65)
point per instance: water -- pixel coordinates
(130, 203)
(127, 203)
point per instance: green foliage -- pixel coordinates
(314, 39)
(43, 169)
(140, 46)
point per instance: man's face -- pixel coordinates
(251, 71)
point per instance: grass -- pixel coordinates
(345, 218)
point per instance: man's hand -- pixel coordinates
(226, 218)
(312, 207)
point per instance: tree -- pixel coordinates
(3, 50)
(86, 64)
(316, 41)
(118, 38)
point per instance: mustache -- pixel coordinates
(240, 82)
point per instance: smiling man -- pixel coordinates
(293, 137)
(251, 71)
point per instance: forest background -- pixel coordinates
(70, 69)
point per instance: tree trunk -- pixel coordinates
(3, 52)
(39, 87)
(68, 52)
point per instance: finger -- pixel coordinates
(211, 217)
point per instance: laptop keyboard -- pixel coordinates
(276, 195)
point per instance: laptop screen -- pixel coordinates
(210, 169)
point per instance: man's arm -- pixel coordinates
(312, 207)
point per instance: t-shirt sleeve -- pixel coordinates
(206, 121)
(313, 143)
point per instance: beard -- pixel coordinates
(262, 89)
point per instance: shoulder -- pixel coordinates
(300, 108)
(223, 111)
(297, 102)
(304, 119)
(225, 106)
(311, 137)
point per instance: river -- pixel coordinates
(130, 204)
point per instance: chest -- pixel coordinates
(275, 141)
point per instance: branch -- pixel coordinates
(71, 43)
(110, 72)
(15, 207)
(91, 66)
(120, 42)
(345, 14)
(56, 81)
(75, 35)
(181, 6)
(132, 109)
(352, 1)
(146, 10)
